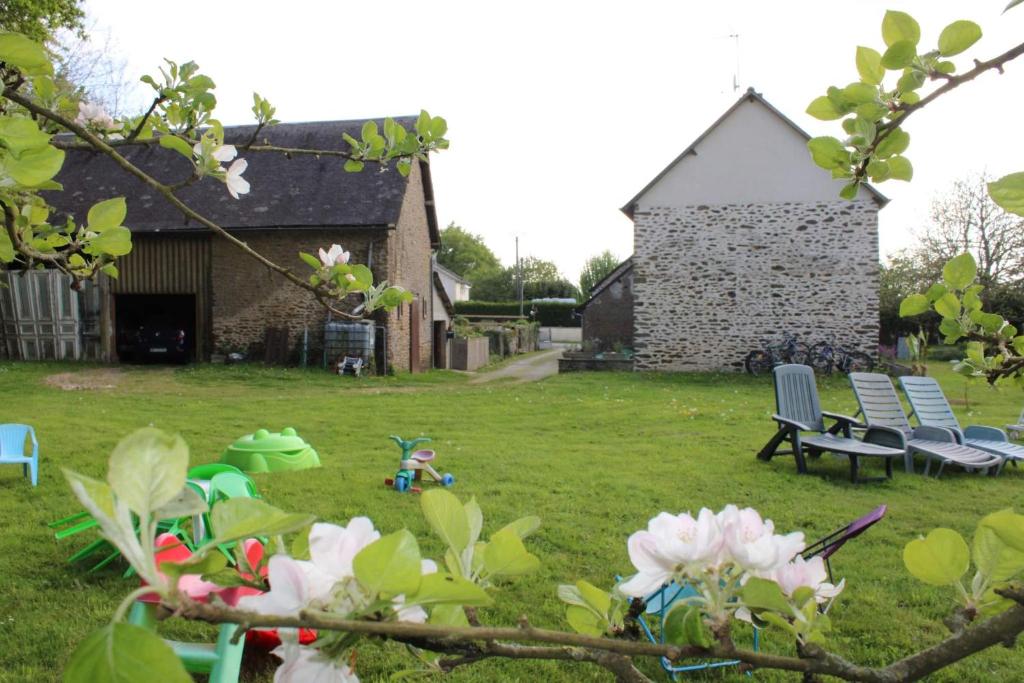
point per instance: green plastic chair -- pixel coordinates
(929, 405)
(883, 411)
(221, 660)
(801, 422)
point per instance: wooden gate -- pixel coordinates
(43, 317)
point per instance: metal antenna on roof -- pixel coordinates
(736, 76)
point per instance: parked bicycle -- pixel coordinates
(789, 350)
(826, 356)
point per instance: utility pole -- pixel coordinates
(519, 278)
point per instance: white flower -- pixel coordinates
(810, 573)
(306, 665)
(222, 153)
(334, 256)
(332, 548)
(96, 116)
(236, 183)
(292, 588)
(672, 544)
(751, 541)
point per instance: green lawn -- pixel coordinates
(595, 455)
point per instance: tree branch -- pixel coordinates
(168, 194)
(613, 654)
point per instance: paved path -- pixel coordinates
(530, 369)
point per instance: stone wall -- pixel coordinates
(248, 298)
(409, 264)
(711, 281)
(608, 317)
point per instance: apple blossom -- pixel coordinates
(671, 545)
(336, 255)
(307, 665)
(94, 115)
(233, 179)
(751, 542)
(807, 573)
(222, 153)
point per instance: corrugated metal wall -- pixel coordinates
(171, 264)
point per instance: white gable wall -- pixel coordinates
(752, 156)
(747, 240)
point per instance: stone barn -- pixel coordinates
(180, 275)
(743, 238)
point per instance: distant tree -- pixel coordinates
(965, 219)
(541, 280)
(901, 277)
(465, 253)
(496, 285)
(90, 68)
(596, 269)
(40, 20)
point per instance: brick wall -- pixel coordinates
(711, 281)
(409, 264)
(608, 318)
(248, 298)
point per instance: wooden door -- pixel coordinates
(440, 344)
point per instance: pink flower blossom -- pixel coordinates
(334, 256)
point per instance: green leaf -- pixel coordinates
(860, 93)
(524, 526)
(447, 517)
(896, 142)
(29, 56)
(948, 305)
(994, 557)
(972, 298)
(684, 625)
(824, 109)
(828, 152)
(951, 329)
(878, 170)
(900, 168)
(147, 469)
(957, 37)
(898, 26)
(1008, 193)
(33, 166)
(869, 65)
(475, 518)
(960, 271)
(448, 615)
(439, 588)
(801, 595)
(177, 144)
(186, 504)
(438, 127)
(310, 260)
(107, 214)
(762, 594)
(6, 247)
(849, 191)
(1008, 525)
(391, 564)
(596, 598)
(915, 304)
(354, 166)
(238, 518)
(113, 241)
(505, 555)
(20, 134)
(899, 55)
(110, 270)
(369, 131)
(939, 559)
(124, 653)
(582, 620)
(92, 493)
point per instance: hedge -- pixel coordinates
(549, 313)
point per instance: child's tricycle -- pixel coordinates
(413, 465)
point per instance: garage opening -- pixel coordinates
(155, 328)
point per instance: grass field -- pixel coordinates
(594, 455)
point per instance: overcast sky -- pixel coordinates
(559, 112)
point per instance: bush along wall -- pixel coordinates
(549, 314)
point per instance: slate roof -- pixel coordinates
(750, 95)
(304, 191)
(606, 281)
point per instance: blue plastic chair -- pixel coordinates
(12, 449)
